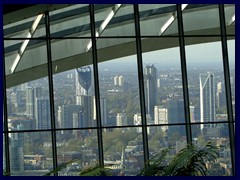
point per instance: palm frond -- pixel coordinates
(191, 161)
(96, 171)
(154, 166)
(59, 168)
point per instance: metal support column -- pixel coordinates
(227, 85)
(141, 83)
(96, 83)
(6, 136)
(51, 92)
(184, 74)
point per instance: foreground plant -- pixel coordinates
(190, 161)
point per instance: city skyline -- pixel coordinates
(73, 114)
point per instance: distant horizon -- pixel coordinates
(199, 54)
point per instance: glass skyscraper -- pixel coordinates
(207, 99)
(150, 76)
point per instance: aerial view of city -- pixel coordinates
(121, 119)
(119, 89)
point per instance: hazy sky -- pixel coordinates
(200, 54)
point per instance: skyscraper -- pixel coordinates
(31, 94)
(103, 110)
(118, 80)
(175, 114)
(207, 99)
(16, 150)
(42, 113)
(150, 76)
(67, 115)
(220, 95)
(83, 80)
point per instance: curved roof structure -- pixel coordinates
(70, 34)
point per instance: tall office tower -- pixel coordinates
(175, 109)
(207, 100)
(83, 80)
(31, 94)
(103, 107)
(161, 116)
(88, 109)
(220, 95)
(42, 113)
(16, 141)
(121, 80)
(18, 101)
(116, 80)
(150, 76)
(121, 119)
(79, 119)
(195, 113)
(67, 114)
(59, 117)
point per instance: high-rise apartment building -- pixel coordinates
(161, 116)
(207, 99)
(150, 77)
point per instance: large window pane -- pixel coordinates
(77, 149)
(30, 153)
(219, 137)
(74, 89)
(72, 21)
(158, 19)
(119, 89)
(26, 28)
(28, 103)
(206, 82)
(171, 138)
(162, 81)
(114, 20)
(201, 19)
(230, 18)
(123, 151)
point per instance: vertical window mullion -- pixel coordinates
(184, 73)
(51, 92)
(227, 84)
(6, 139)
(96, 85)
(141, 83)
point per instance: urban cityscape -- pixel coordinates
(28, 108)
